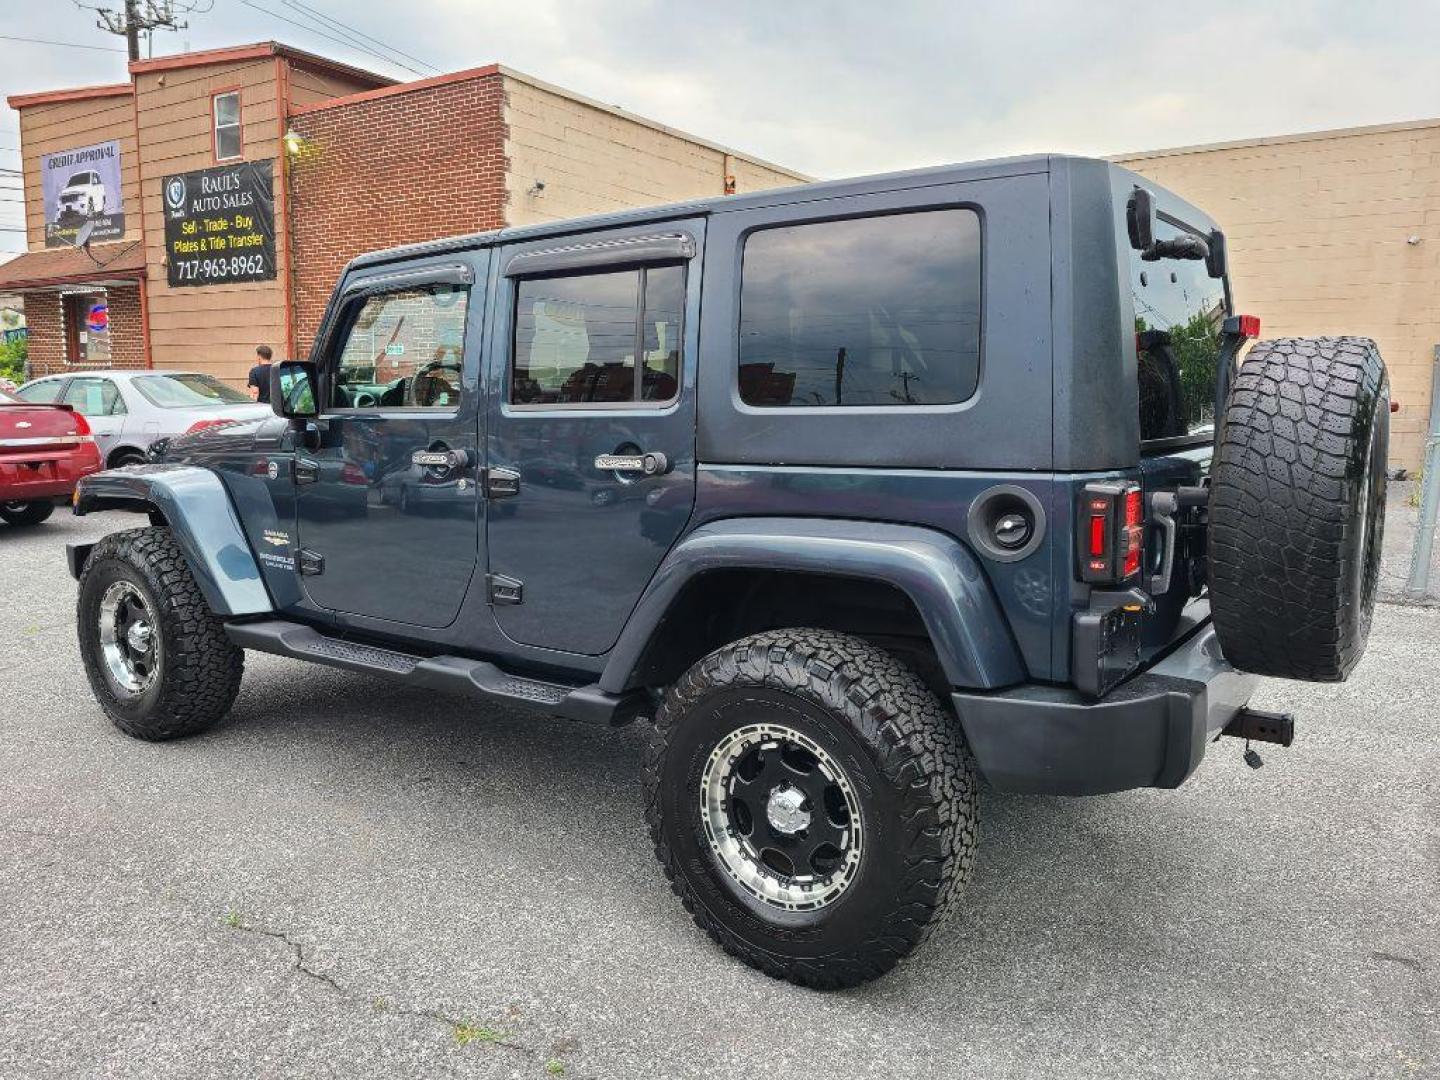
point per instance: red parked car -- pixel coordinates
(44, 450)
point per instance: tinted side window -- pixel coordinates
(598, 338)
(94, 397)
(41, 392)
(1179, 312)
(404, 349)
(862, 311)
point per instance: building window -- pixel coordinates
(87, 328)
(226, 111)
(862, 311)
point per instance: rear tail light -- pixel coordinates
(1247, 326)
(82, 426)
(1111, 532)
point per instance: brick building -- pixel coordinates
(221, 192)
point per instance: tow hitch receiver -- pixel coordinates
(1257, 725)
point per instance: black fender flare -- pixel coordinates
(197, 508)
(967, 628)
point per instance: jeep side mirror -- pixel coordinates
(1216, 262)
(292, 389)
(1140, 219)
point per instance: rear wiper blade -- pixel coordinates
(1182, 247)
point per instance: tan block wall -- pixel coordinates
(1318, 230)
(593, 159)
(212, 328)
(70, 125)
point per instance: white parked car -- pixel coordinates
(129, 410)
(84, 193)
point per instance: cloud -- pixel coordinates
(845, 87)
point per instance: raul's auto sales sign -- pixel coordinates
(220, 224)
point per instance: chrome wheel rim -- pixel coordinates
(128, 633)
(781, 817)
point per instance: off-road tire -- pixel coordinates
(27, 513)
(1297, 507)
(199, 669)
(917, 789)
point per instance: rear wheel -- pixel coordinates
(157, 657)
(1297, 507)
(122, 458)
(812, 804)
(26, 513)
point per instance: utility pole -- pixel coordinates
(132, 29)
(145, 17)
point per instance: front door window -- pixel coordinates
(404, 350)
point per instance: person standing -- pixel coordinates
(259, 380)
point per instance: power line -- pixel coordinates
(316, 13)
(331, 37)
(59, 44)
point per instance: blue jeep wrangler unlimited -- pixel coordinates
(861, 491)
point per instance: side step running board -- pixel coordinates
(457, 674)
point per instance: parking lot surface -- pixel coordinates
(351, 879)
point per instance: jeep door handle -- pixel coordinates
(443, 460)
(650, 463)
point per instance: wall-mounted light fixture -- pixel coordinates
(294, 142)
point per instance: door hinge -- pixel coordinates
(500, 483)
(504, 590)
(311, 562)
(306, 471)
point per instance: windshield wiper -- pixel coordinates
(1182, 247)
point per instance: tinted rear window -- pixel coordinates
(39, 392)
(862, 311)
(188, 391)
(1179, 311)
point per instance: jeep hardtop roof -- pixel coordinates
(826, 189)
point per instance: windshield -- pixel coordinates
(78, 179)
(1179, 312)
(188, 391)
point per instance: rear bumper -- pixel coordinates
(45, 475)
(1151, 731)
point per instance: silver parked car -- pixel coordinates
(129, 410)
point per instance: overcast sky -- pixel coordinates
(845, 88)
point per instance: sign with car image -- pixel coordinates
(220, 224)
(79, 186)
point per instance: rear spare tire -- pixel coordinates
(1297, 507)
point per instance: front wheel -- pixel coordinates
(157, 657)
(26, 513)
(812, 803)
(126, 458)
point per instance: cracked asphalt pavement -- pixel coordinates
(352, 879)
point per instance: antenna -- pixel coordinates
(82, 241)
